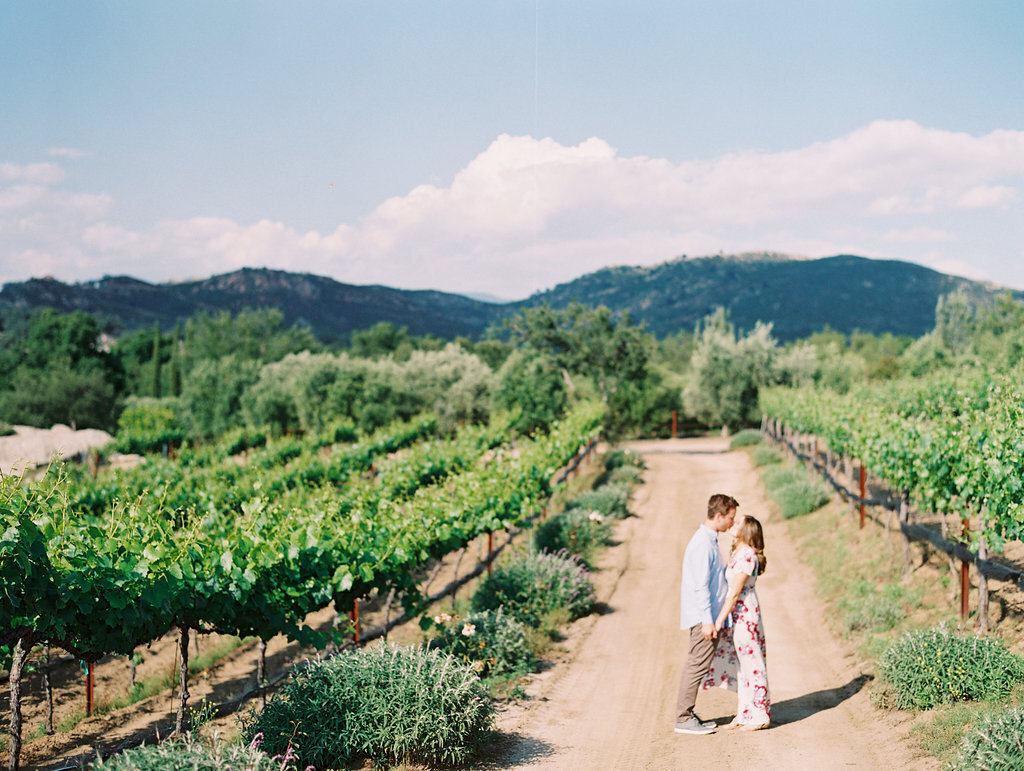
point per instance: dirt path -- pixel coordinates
(610, 704)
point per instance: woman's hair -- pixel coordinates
(752, 535)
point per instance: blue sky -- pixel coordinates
(503, 147)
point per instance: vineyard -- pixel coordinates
(249, 540)
(947, 445)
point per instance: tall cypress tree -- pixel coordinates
(155, 385)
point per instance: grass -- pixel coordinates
(859, 576)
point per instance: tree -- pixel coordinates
(727, 373)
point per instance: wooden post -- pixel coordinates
(355, 619)
(261, 669)
(179, 718)
(675, 422)
(88, 688)
(982, 589)
(965, 576)
(490, 547)
(863, 492)
(47, 690)
(20, 655)
(904, 520)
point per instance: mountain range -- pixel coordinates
(798, 296)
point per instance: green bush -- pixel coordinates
(928, 667)
(193, 755)
(748, 437)
(530, 586)
(390, 704)
(629, 476)
(6, 429)
(577, 531)
(766, 456)
(795, 491)
(998, 743)
(620, 457)
(489, 642)
(610, 500)
(148, 425)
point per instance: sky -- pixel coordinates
(500, 148)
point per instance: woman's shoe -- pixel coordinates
(733, 724)
(752, 727)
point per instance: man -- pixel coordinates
(703, 592)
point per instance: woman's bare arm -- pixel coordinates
(736, 582)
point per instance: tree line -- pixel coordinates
(216, 372)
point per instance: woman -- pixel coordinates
(739, 662)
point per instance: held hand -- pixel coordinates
(718, 627)
(708, 630)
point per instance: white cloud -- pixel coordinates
(67, 152)
(527, 213)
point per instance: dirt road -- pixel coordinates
(610, 704)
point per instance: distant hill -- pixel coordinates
(798, 296)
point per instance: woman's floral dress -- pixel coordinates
(739, 662)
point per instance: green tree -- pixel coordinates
(727, 372)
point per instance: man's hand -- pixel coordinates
(708, 630)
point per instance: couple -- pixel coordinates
(719, 605)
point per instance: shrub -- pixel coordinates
(148, 425)
(530, 586)
(489, 642)
(6, 429)
(189, 753)
(748, 437)
(611, 500)
(390, 704)
(577, 531)
(766, 456)
(928, 667)
(998, 742)
(794, 491)
(625, 475)
(620, 457)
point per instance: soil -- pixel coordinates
(606, 698)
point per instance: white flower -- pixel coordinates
(442, 618)
(595, 516)
(468, 630)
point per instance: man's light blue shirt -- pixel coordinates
(704, 587)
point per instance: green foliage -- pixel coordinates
(611, 500)
(578, 531)
(148, 425)
(619, 457)
(489, 642)
(212, 393)
(6, 429)
(766, 456)
(628, 476)
(997, 743)
(532, 390)
(727, 372)
(388, 703)
(190, 752)
(795, 491)
(530, 586)
(748, 437)
(929, 667)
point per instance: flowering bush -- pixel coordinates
(577, 531)
(611, 500)
(490, 642)
(390, 704)
(194, 755)
(928, 667)
(530, 586)
(998, 742)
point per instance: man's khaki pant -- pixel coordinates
(698, 662)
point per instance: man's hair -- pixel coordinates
(720, 503)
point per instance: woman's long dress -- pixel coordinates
(739, 662)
